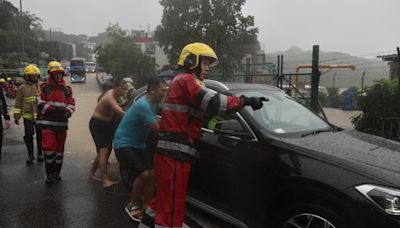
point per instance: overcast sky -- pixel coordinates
(357, 27)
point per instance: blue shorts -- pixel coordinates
(138, 160)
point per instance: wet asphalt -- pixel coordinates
(25, 199)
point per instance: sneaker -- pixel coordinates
(135, 212)
(57, 177)
(40, 157)
(49, 179)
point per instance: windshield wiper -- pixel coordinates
(316, 132)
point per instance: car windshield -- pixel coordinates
(281, 114)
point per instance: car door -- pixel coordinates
(229, 169)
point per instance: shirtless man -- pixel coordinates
(102, 127)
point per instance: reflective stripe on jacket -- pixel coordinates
(55, 100)
(182, 113)
(26, 101)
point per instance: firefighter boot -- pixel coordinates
(58, 165)
(40, 157)
(29, 147)
(49, 178)
(50, 163)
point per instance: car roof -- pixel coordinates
(227, 86)
(224, 87)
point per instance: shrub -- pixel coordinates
(377, 103)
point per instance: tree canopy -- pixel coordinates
(123, 58)
(218, 23)
(11, 23)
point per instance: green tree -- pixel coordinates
(377, 103)
(123, 58)
(219, 23)
(11, 34)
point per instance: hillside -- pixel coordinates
(373, 67)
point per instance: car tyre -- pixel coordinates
(311, 215)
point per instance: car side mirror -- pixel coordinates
(231, 127)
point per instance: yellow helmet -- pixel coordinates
(31, 70)
(8, 79)
(55, 67)
(191, 53)
(2, 80)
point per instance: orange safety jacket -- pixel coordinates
(55, 100)
(182, 115)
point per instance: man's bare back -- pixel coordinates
(107, 107)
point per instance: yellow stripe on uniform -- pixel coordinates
(30, 99)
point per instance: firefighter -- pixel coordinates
(11, 87)
(2, 83)
(180, 127)
(56, 105)
(3, 112)
(26, 106)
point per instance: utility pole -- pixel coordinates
(315, 78)
(334, 81)
(362, 81)
(398, 88)
(22, 30)
(50, 39)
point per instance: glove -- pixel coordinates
(255, 102)
(67, 114)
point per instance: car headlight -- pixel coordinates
(388, 199)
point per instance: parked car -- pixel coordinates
(284, 166)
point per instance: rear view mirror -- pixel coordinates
(231, 127)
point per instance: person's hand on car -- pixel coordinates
(255, 102)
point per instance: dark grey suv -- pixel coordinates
(284, 166)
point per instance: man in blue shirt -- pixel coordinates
(130, 145)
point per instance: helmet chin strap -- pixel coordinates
(29, 79)
(197, 71)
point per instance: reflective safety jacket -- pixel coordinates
(26, 101)
(56, 104)
(182, 115)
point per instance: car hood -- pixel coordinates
(368, 154)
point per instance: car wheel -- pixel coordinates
(311, 215)
(127, 174)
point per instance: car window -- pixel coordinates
(281, 114)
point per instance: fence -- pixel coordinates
(341, 80)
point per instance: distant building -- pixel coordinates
(149, 46)
(89, 45)
(254, 64)
(393, 61)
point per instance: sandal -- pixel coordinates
(135, 212)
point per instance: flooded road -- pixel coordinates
(25, 199)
